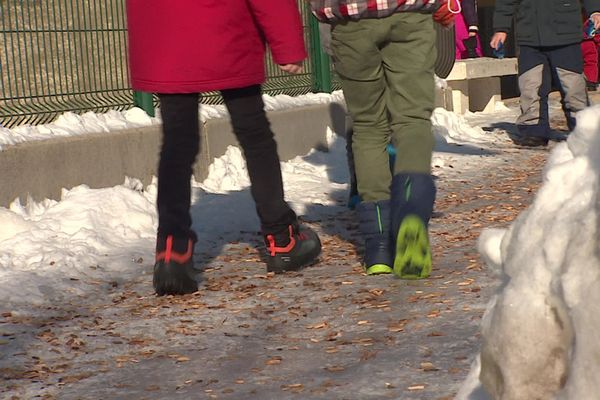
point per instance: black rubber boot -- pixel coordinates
(413, 195)
(290, 250)
(374, 219)
(471, 44)
(174, 271)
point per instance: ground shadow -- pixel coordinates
(508, 127)
(512, 131)
(222, 219)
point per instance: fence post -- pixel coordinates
(321, 68)
(144, 101)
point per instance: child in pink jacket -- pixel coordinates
(466, 27)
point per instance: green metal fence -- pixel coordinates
(71, 55)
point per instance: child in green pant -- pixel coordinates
(384, 55)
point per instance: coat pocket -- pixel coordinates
(567, 16)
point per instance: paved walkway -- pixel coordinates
(328, 332)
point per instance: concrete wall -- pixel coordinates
(40, 169)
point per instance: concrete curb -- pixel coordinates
(40, 169)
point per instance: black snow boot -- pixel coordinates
(374, 219)
(291, 249)
(471, 44)
(413, 195)
(174, 271)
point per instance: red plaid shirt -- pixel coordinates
(336, 10)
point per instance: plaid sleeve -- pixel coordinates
(335, 10)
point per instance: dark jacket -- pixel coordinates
(469, 13)
(543, 22)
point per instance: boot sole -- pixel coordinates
(170, 279)
(413, 253)
(379, 269)
(281, 264)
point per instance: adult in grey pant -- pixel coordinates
(538, 68)
(549, 34)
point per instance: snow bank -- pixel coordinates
(70, 124)
(540, 332)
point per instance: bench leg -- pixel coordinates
(475, 95)
(484, 93)
(460, 96)
(443, 98)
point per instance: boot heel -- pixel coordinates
(413, 195)
(374, 223)
(174, 279)
(413, 253)
(378, 269)
(174, 271)
(302, 249)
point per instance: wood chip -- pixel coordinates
(427, 366)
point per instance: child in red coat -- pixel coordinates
(181, 48)
(589, 48)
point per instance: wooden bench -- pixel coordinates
(475, 83)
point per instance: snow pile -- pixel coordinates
(227, 172)
(449, 127)
(71, 124)
(316, 178)
(89, 235)
(277, 103)
(540, 332)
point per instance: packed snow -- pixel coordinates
(540, 332)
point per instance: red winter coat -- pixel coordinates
(188, 46)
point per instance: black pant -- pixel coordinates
(181, 143)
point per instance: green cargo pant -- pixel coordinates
(386, 69)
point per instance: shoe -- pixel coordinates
(471, 46)
(591, 86)
(529, 141)
(558, 136)
(374, 223)
(291, 249)
(174, 271)
(413, 195)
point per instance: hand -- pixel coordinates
(443, 15)
(294, 68)
(473, 30)
(596, 18)
(499, 37)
